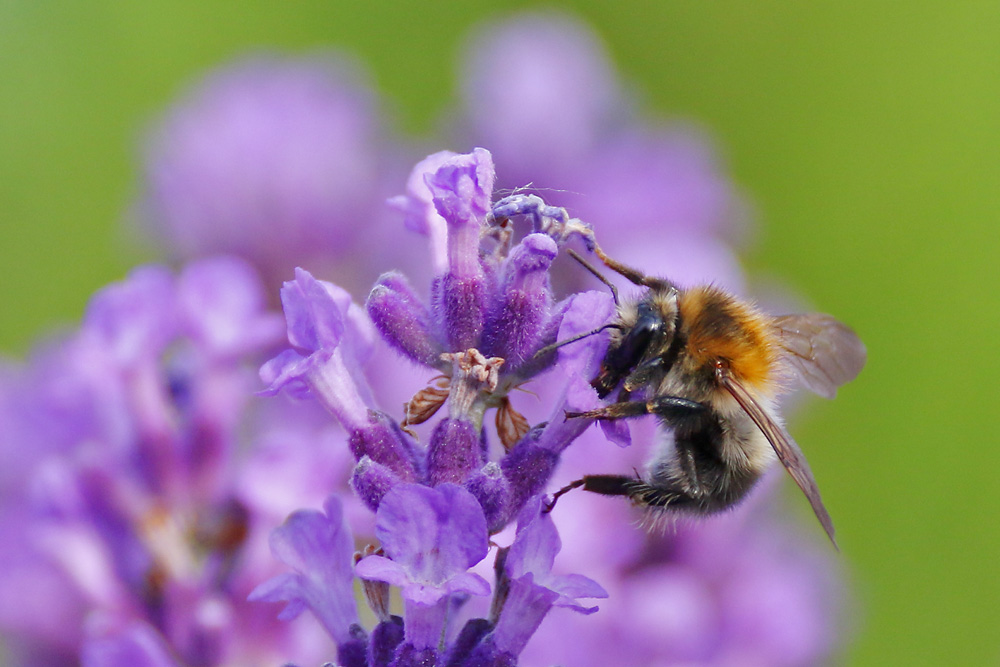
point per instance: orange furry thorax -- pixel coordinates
(719, 327)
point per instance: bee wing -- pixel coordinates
(787, 450)
(822, 351)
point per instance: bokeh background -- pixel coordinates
(866, 134)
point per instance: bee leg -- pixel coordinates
(614, 411)
(673, 409)
(678, 411)
(607, 485)
(644, 373)
(551, 504)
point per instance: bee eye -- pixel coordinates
(634, 344)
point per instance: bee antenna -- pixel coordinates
(600, 276)
(572, 339)
(634, 276)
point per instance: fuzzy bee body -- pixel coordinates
(710, 366)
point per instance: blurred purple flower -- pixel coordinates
(540, 91)
(277, 160)
(131, 535)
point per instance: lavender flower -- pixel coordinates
(277, 160)
(132, 535)
(436, 506)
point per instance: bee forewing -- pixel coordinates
(823, 352)
(787, 450)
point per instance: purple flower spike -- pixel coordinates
(432, 536)
(516, 322)
(403, 319)
(462, 187)
(320, 549)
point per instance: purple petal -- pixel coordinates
(536, 543)
(286, 371)
(419, 213)
(468, 582)
(319, 548)
(222, 302)
(314, 316)
(585, 312)
(325, 375)
(423, 624)
(525, 607)
(134, 319)
(435, 533)
(380, 568)
(533, 553)
(572, 586)
(462, 188)
(617, 431)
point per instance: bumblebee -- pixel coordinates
(710, 366)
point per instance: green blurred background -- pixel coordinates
(866, 134)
